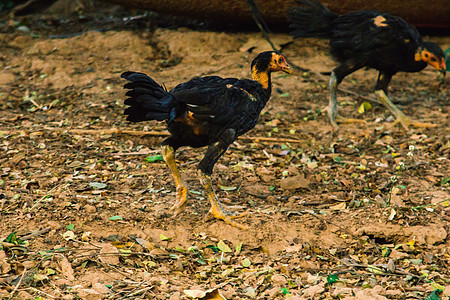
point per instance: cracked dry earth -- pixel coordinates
(85, 199)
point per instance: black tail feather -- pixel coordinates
(311, 19)
(147, 99)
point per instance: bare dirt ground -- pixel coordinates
(85, 213)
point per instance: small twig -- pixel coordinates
(395, 272)
(151, 133)
(35, 234)
(137, 292)
(331, 223)
(113, 268)
(18, 284)
(136, 153)
(118, 131)
(41, 292)
(46, 194)
(368, 98)
(270, 139)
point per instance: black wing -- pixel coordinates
(372, 32)
(220, 101)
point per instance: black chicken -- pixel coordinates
(205, 111)
(367, 39)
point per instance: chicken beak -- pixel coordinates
(286, 69)
(443, 69)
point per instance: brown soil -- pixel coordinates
(321, 224)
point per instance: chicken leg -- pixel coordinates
(341, 72)
(381, 95)
(217, 210)
(168, 154)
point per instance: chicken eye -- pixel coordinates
(280, 60)
(426, 55)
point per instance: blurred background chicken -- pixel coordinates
(205, 111)
(367, 39)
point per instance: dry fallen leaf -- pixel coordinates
(295, 182)
(66, 268)
(109, 258)
(212, 294)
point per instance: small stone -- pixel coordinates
(249, 292)
(89, 294)
(311, 279)
(28, 264)
(228, 292)
(175, 296)
(2, 256)
(314, 290)
(62, 283)
(273, 292)
(24, 295)
(280, 279)
(54, 225)
(395, 254)
(90, 209)
(101, 288)
(271, 199)
(340, 292)
(295, 182)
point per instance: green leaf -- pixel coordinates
(364, 107)
(415, 261)
(375, 270)
(40, 277)
(213, 248)
(285, 290)
(12, 237)
(332, 278)
(51, 271)
(97, 185)
(115, 218)
(447, 60)
(433, 295)
(162, 237)
(238, 248)
(70, 226)
(246, 263)
(149, 263)
(445, 180)
(223, 247)
(195, 192)
(227, 188)
(285, 94)
(154, 158)
(126, 252)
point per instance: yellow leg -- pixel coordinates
(180, 204)
(401, 118)
(216, 208)
(332, 106)
(342, 120)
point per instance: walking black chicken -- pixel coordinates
(367, 39)
(205, 111)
